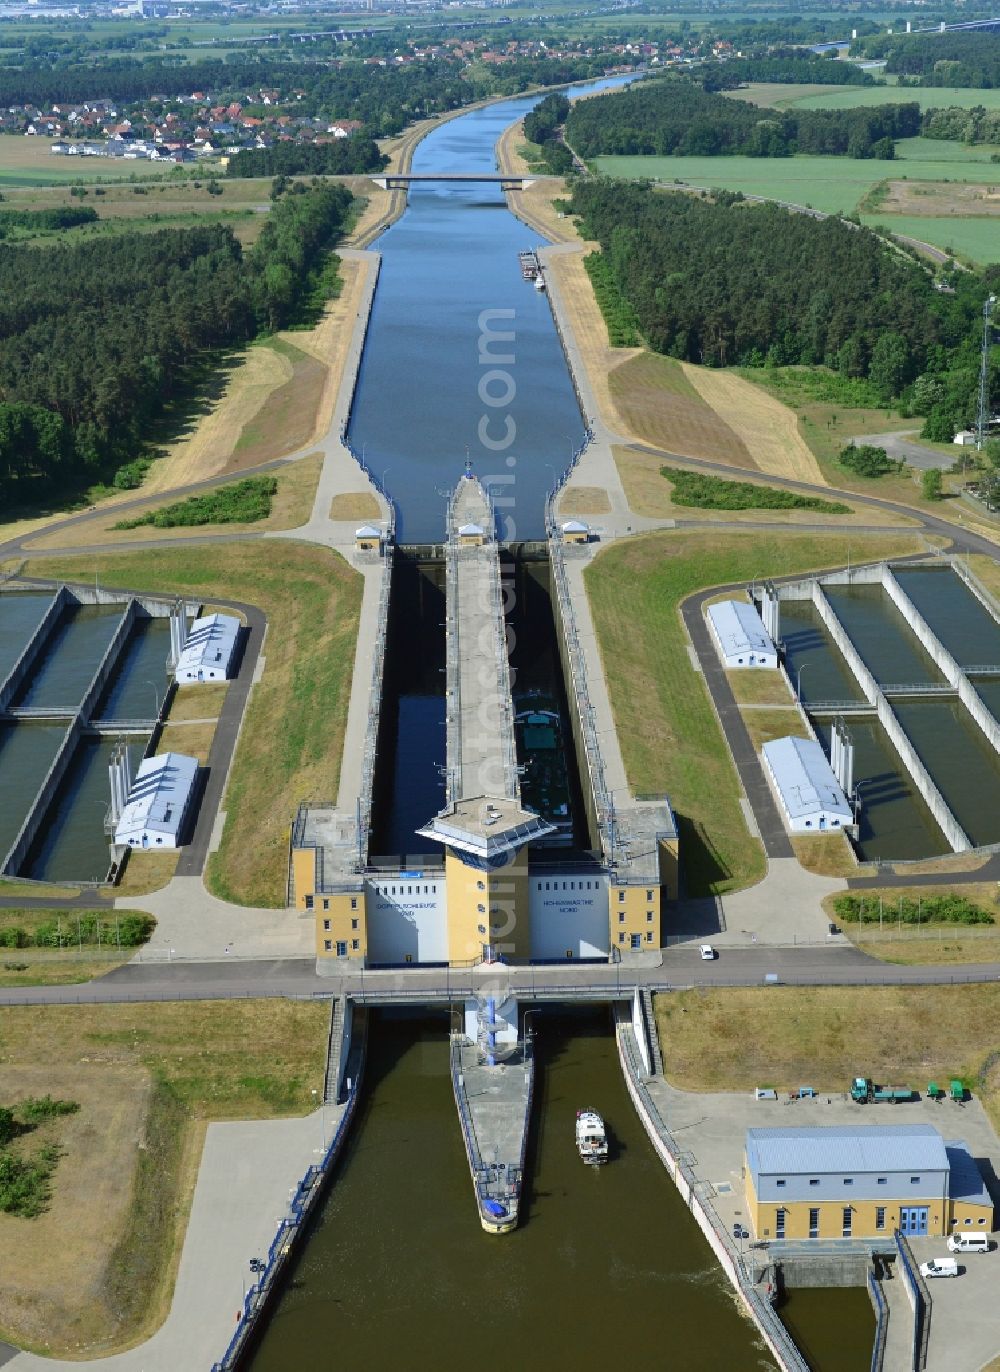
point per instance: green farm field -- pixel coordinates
(972, 238)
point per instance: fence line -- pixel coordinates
(881, 1321)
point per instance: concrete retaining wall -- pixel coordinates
(771, 1330)
(919, 775)
(825, 1269)
(109, 661)
(35, 645)
(46, 793)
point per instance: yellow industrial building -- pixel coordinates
(863, 1182)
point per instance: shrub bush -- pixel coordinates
(864, 909)
(714, 493)
(244, 502)
(865, 460)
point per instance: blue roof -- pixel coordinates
(965, 1182)
(846, 1148)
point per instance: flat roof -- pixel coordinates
(805, 778)
(487, 827)
(740, 628)
(158, 796)
(209, 643)
(965, 1181)
(846, 1148)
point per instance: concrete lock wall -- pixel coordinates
(568, 914)
(407, 918)
(838, 633)
(827, 1269)
(19, 848)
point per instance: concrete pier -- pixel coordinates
(494, 1110)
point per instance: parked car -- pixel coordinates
(968, 1243)
(939, 1267)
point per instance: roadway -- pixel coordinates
(839, 964)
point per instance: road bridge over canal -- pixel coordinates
(507, 181)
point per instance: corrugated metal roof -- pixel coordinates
(739, 628)
(158, 796)
(209, 644)
(843, 1148)
(965, 1181)
(805, 778)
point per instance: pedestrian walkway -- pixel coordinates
(192, 923)
(248, 1170)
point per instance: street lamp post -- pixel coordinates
(156, 696)
(798, 681)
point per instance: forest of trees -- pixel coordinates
(784, 68)
(56, 217)
(97, 337)
(978, 125)
(341, 158)
(727, 283)
(674, 116)
(542, 126)
(969, 59)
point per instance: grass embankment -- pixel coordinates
(909, 930)
(291, 504)
(704, 492)
(293, 732)
(825, 1035)
(659, 405)
(670, 738)
(95, 1272)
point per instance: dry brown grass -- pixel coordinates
(768, 430)
(293, 732)
(927, 943)
(987, 569)
(659, 405)
(584, 500)
(291, 506)
(198, 702)
(146, 872)
(193, 740)
(828, 855)
(98, 1268)
(767, 724)
(509, 155)
(812, 1034)
(751, 687)
(940, 198)
(355, 505)
(589, 331)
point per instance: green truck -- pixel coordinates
(863, 1090)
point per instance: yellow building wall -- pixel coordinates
(487, 908)
(341, 917)
(629, 910)
(304, 876)
(669, 849)
(968, 1218)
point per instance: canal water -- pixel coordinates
(965, 767)
(138, 683)
(26, 753)
(833, 1327)
(608, 1269)
(958, 617)
(20, 613)
(426, 398)
(72, 656)
(887, 645)
(814, 662)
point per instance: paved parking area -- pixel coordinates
(965, 1315)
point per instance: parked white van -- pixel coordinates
(968, 1243)
(939, 1267)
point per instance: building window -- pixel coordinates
(341, 948)
(326, 924)
(309, 902)
(780, 1181)
(621, 897)
(880, 1217)
(882, 1181)
(914, 1181)
(354, 923)
(621, 916)
(649, 895)
(779, 1224)
(848, 1218)
(327, 945)
(814, 1181)
(848, 1181)
(649, 916)
(481, 886)
(649, 936)
(355, 944)
(621, 938)
(326, 903)
(814, 1223)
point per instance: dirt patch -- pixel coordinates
(584, 500)
(287, 421)
(938, 198)
(355, 505)
(659, 404)
(768, 429)
(54, 1295)
(751, 687)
